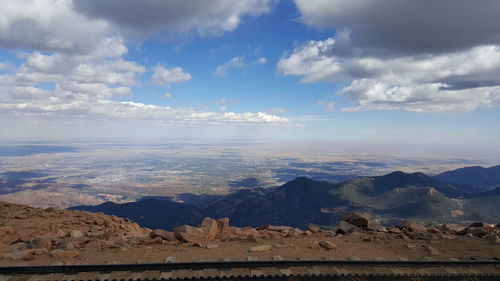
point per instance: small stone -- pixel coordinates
(411, 246)
(328, 245)
(315, 245)
(353, 258)
(212, 246)
(261, 248)
(76, 233)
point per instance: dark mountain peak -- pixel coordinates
(300, 181)
(473, 178)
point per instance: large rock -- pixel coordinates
(345, 227)
(413, 227)
(357, 219)
(187, 233)
(209, 225)
(224, 231)
(163, 234)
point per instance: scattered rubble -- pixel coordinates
(69, 232)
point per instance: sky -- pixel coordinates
(386, 71)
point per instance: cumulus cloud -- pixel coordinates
(167, 76)
(383, 67)
(48, 26)
(207, 18)
(78, 48)
(408, 26)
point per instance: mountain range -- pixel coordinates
(303, 202)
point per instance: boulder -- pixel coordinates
(313, 229)
(345, 227)
(357, 219)
(375, 226)
(328, 245)
(224, 231)
(187, 233)
(477, 224)
(477, 231)
(413, 227)
(209, 225)
(163, 234)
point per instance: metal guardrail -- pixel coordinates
(72, 269)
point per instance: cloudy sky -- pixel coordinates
(322, 70)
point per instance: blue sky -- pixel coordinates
(285, 70)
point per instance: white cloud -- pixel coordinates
(437, 56)
(167, 76)
(444, 83)
(167, 95)
(48, 25)
(207, 18)
(407, 26)
(78, 47)
(235, 62)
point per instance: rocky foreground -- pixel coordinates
(38, 236)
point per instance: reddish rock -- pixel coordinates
(224, 231)
(357, 219)
(315, 245)
(345, 227)
(313, 229)
(163, 234)
(190, 234)
(252, 238)
(41, 242)
(94, 245)
(25, 255)
(328, 245)
(209, 225)
(412, 226)
(76, 233)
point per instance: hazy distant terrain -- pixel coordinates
(89, 173)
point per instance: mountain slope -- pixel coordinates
(303, 201)
(152, 213)
(473, 179)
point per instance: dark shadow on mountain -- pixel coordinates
(14, 181)
(244, 183)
